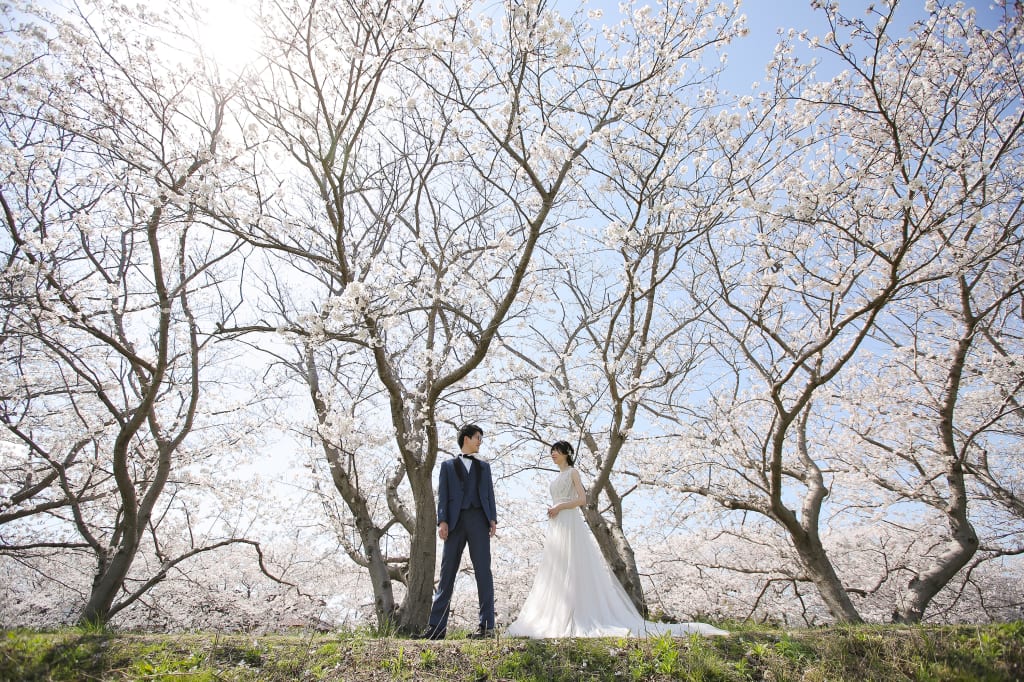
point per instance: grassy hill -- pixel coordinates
(987, 652)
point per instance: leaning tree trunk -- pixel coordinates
(619, 555)
(369, 553)
(610, 538)
(380, 577)
(927, 583)
(963, 543)
(803, 530)
(135, 512)
(823, 575)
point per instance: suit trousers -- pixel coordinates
(473, 529)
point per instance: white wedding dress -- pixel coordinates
(575, 593)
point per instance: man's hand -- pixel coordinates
(494, 528)
(442, 530)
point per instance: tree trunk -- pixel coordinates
(369, 554)
(803, 530)
(619, 555)
(962, 546)
(964, 541)
(135, 513)
(823, 575)
(926, 584)
(380, 578)
(415, 609)
(110, 576)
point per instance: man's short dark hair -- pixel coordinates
(468, 431)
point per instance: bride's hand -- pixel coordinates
(553, 512)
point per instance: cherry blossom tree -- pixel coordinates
(618, 340)
(111, 159)
(879, 183)
(951, 399)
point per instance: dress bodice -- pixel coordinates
(562, 487)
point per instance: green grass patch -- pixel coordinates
(752, 653)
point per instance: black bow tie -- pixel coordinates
(473, 457)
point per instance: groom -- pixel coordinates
(466, 515)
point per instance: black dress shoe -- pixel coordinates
(430, 633)
(482, 633)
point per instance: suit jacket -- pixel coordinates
(450, 492)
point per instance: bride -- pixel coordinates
(575, 593)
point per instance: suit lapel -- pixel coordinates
(460, 471)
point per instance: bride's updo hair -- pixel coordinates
(566, 449)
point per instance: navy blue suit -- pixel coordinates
(468, 510)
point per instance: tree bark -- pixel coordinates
(422, 555)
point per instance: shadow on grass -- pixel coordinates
(30, 656)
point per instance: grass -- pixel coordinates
(751, 653)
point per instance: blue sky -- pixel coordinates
(766, 17)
